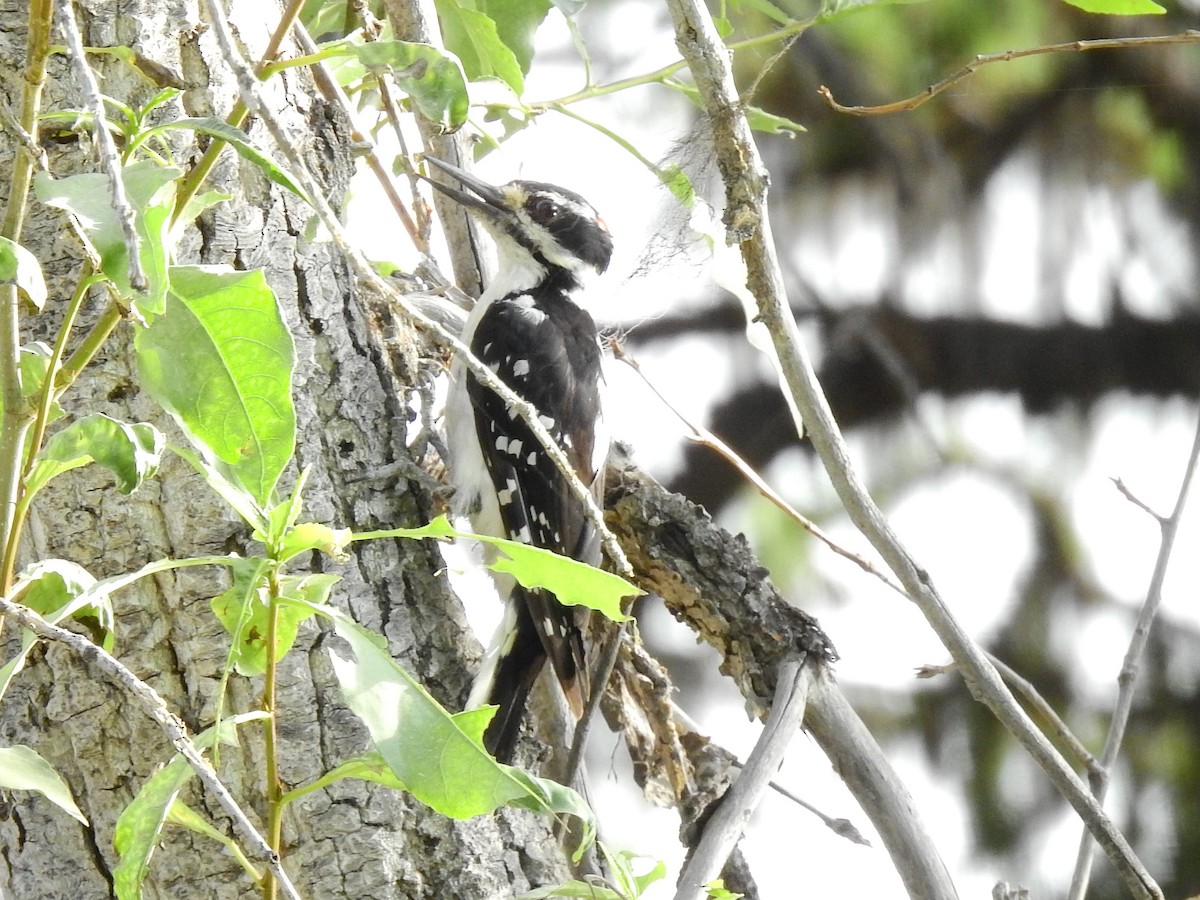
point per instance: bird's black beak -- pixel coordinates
(484, 197)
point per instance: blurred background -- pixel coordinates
(1000, 291)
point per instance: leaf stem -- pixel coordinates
(658, 76)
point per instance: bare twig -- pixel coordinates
(332, 91)
(1190, 36)
(1127, 680)
(155, 707)
(747, 224)
(1057, 726)
(1079, 753)
(840, 826)
(107, 150)
(725, 826)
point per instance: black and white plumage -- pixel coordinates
(531, 331)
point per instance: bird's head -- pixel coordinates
(557, 228)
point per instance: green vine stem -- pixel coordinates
(274, 788)
(16, 417)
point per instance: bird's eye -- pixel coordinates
(545, 210)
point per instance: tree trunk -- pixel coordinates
(355, 371)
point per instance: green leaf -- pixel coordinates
(130, 452)
(185, 817)
(766, 8)
(1119, 7)
(20, 267)
(312, 536)
(472, 36)
(21, 769)
(234, 609)
(238, 498)
(716, 891)
(220, 362)
(434, 755)
(244, 611)
(35, 363)
(151, 192)
(283, 515)
(432, 78)
(623, 884)
(516, 23)
(141, 822)
(56, 590)
(198, 203)
(235, 138)
(574, 583)
(678, 183)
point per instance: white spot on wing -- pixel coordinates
(521, 368)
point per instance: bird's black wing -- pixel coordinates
(545, 349)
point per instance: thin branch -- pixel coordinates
(1129, 495)
(1191, 36)
(724, 828)
(1127, 680)
(332, 91)
(747, 224)
(110, 159)
(1058, 728)
(842, 827)
(156, 708)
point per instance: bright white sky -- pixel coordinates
(969, 530)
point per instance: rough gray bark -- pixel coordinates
(355, 369)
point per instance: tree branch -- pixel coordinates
(747, 224)
(724, 829)
(1127, 680)
(711, 581)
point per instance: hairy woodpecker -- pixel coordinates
(530, 328)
